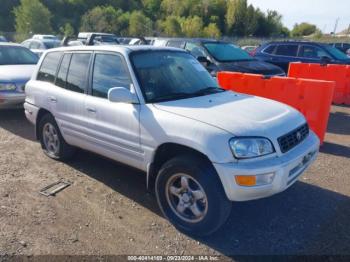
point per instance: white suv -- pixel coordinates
(159, 110)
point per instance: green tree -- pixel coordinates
(303, 29)
(192, 26)
(32, 17)
(171, 26)
(236, 17)
(7, 20)
(67, 29)
(139, 24)
(212, 31)
(101, 19)
(151, 8)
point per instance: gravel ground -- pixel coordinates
(108, 211)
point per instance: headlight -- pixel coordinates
(7, 87)
(243, 148)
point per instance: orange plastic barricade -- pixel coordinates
(338, 73)
(313, 98)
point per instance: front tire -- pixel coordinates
(52, 141)
(190, 194)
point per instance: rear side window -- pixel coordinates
(270, 49)
(287, 50)
(77, 73)
(48, 68)
(109, 71)
(61, 79)
(178, 44)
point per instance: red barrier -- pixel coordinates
(338, 73)
(312, 98)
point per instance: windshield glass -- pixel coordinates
(13, 55)
(336, 53)
(225, 52)
(171, 75)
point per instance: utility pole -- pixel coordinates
(335, 26)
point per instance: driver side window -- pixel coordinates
(109, 71)
(312, 52)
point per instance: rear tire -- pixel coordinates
(52, 141)
(190, 194)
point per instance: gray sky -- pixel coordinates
(323, 13)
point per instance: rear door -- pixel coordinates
(67, 99)
(114, 129)
(285, 54)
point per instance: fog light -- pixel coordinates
(258, 180)
(264, 179)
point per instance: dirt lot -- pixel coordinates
(107, 209)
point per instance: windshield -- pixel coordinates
(225, 52)
(171, 75)
(336, 53)
(13, 55)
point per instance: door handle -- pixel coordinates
(53, 99)
(91, 110)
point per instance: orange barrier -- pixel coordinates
(312, 98)
(338, 73)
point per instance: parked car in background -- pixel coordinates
(39, 46)
(285, 52)
(249, 48)
(3, 39)
(45, 37)
(99, 38)
(219, 56)
(124, 40)
(17, 64)
(139, 41)
(160, 111)
(344, 47)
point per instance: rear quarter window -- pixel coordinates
(48, 68)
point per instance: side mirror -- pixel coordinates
(325, 60)
(121, 95)
(203, 60)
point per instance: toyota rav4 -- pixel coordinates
(160, 111)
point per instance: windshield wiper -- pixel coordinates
(171, 97)
(209, 90)
(175, 96)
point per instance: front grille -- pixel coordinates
(294, 138)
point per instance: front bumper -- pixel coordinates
(31, 112)
(287, 169)
(11, 99)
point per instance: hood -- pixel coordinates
(238, 114)
(252, 67)
(16, 73)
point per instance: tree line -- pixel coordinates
(191, 18)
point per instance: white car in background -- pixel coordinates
(160, 111)
(17, 65)
(39, 46)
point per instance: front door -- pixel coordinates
(114, 127)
